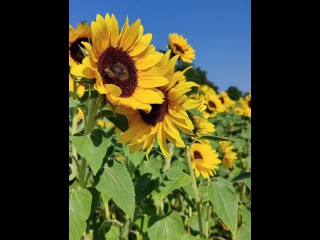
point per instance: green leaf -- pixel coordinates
(119, 120)
(244, 232)
(73, 103)
(125, 229)
(151, 166)
(136, 158)
(79, 211)
(215, 138)
(116, 183)
(247, 182)
(167, 228)
(145, 185)
(92, 147)
(173, 179)
(113, 233)
(194, 223)
(203, 192)
(223, 197)
(190, 237)
(241, 176)
(196, 112)
(189, 190)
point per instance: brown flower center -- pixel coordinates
(157, 114)
(249, 103)
(117, 67)
(75, 50)
(197, 155)
(179, 48)
(212, 105)
(221, 99)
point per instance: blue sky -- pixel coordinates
(218, 30)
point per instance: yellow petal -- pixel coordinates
(141, 45)
(162, 142)
(172, 132)
(130, 36)
(151, 96)
(114, 90)
(151, 82)
(128, 135)
(82, 71)
(148, 61)
(114, 31)
(98, 85)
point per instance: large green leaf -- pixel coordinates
(79, 211)
(223, 197)
(135, 158)
(166, 228)
(92, 147)
(173, 179)
(244, 232)
(116, 183)
(151, 166)
(145, 185)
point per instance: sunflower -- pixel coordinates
(226, 101)
(80, 87)
(123, 64)
(247, 105)
(243, 106)
(201, 125)
(204, 159)
(165, 120)
(214, 105)
(228, 155)
(81, 34)
(180, 46)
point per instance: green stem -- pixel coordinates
(196, 191)
(93, 106)
(107, 211)
(167, 162)
(207, 220)
(82, 173)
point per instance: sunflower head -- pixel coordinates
(247, 105)
(214, 105)
(204, 159)
(165, 121)
(123, 64)
(179, 46)
(76, 36)
(229, 156)
(226, 101)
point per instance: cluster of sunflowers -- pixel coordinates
(119, 81)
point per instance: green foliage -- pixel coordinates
(234, 93)
(79, 210)
(223, 197)
(116, 183)
(166, 228)
(92, 147)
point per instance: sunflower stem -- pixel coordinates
(167, 162)
(82, 173)
(93, 106)
(196, 191)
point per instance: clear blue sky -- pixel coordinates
(218, 30)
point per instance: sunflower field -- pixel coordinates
(155, 152)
